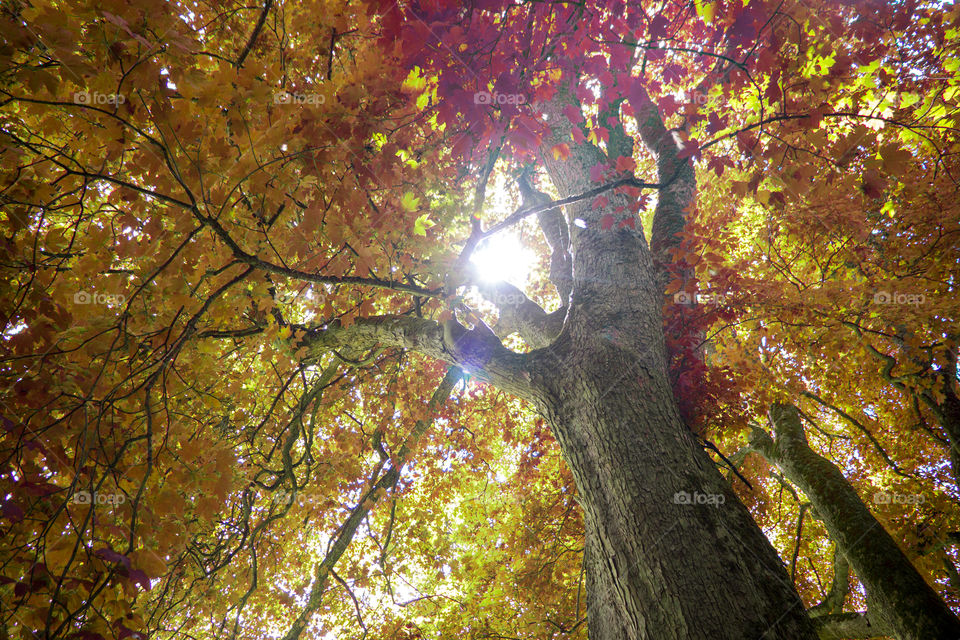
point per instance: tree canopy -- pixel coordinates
(257, 382)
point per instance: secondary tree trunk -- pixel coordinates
(897, 595)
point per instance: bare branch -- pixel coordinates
(256, 32)
(386, 482)
(269, 267)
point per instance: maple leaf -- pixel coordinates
(409, 201)
(625, 165)
(560, 151)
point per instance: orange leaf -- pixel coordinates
(561, 151)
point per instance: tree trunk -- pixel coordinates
(898, 597)
(670, 551)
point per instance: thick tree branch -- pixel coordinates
(611, 260)
(674, 200)
(519, 314)
(839, 587)
(557, 233)
(478, 352)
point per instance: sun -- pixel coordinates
(503, 257)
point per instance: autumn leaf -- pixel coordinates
(560, 151)
(422, 223)
(409, 201)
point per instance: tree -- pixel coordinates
(258, 383)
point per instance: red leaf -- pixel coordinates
(139, 577)
(625, 164)
(673, 73)
(597, 171)
(112, 556)
(11, 512)
(668, 105)
(606, 222)
(715, 123)
(573, 114)
(658, 27)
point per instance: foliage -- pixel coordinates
(186, 189)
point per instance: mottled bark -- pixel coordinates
(671, 552)
(676, 198)
(839, 587)
(557, 233)
(898, 597)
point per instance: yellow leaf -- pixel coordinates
(707, 11)
(148, 561)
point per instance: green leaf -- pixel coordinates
(422, 223)
(409, 201)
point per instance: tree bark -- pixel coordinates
(658, 566)
(897, 595)
(848, 626)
